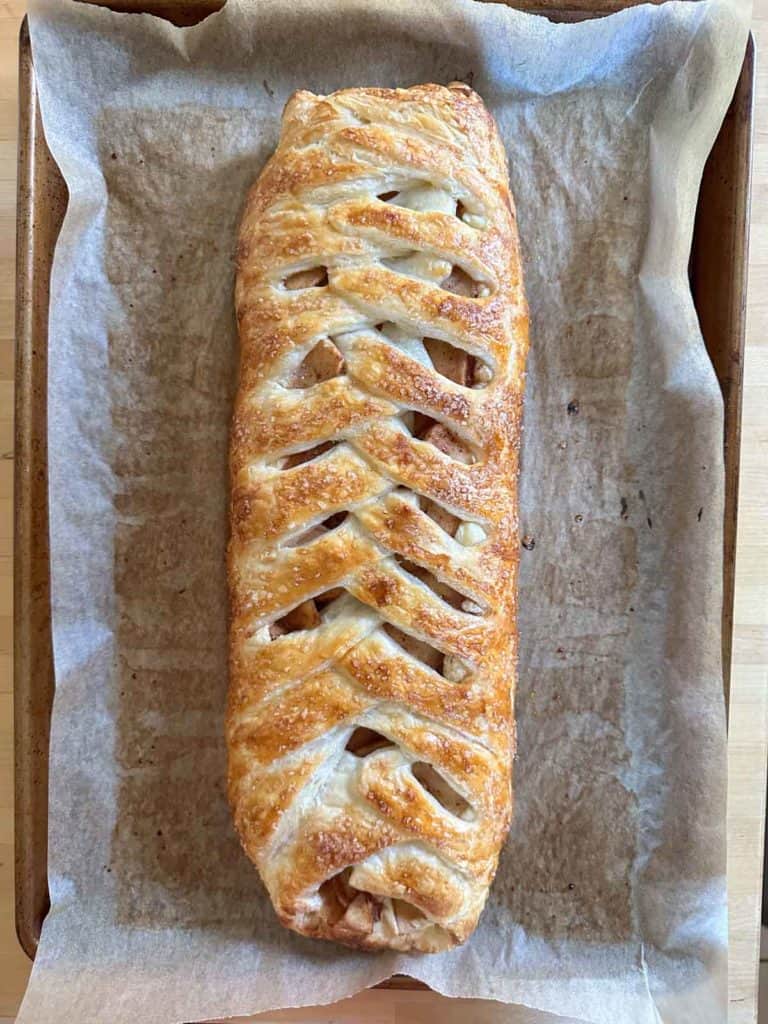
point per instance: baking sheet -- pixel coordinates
(609, 900)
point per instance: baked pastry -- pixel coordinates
(374, 547)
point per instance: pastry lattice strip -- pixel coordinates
(374, 532)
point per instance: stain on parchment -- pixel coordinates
(566, 870)
(175, 859)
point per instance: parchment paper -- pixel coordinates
(609, 905)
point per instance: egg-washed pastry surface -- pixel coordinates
(374, 546)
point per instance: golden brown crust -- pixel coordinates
(373, 556)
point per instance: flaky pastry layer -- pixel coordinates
(374, 544)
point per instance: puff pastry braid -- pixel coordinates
(374, 546)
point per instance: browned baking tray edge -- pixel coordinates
(718, 273)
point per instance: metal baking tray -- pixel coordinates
(718, 269)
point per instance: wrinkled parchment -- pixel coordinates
(609, 905)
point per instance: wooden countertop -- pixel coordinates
(748, 752)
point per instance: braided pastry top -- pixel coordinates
(374, 546)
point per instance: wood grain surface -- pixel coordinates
(749, 683)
